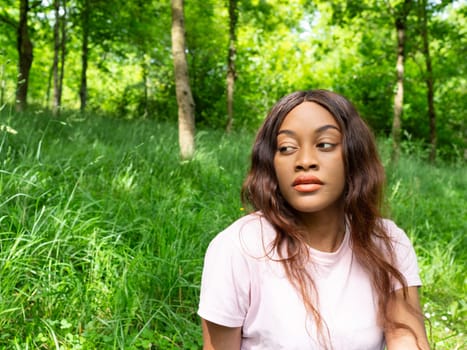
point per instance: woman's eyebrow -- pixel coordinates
(319, 130)
(286, 131)
(327, 127)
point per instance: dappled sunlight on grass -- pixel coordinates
(103, 232)
(125, 180)
(429, 203)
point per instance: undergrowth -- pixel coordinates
(103, 231)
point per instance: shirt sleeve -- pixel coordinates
(225, 282)
(406, 259)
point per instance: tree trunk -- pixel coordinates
(231, 72)
(83, 90)
(49, 86)
(400, 22)
(2, 85)
(25, 57)
(186, 105)
(399, 96)
(428, 78)
(56, 106)
(63, 53)
(145, 64)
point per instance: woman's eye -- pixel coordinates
(285, 149)
(326, 145)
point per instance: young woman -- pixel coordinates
(314, 266)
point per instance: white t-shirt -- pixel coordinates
(241, 287)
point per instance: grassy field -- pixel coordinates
(103, 231)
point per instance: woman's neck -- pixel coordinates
(324, 232)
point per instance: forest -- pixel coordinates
(400, 62)
(125, 132)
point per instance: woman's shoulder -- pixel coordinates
(400, 243)
(396, 234)
(404, 254)
(251, 234)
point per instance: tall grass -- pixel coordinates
(103, 232)
(430, 203)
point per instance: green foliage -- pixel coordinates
(282, 46)
(103, 230)
(207, 56)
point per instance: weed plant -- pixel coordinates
(103, 231)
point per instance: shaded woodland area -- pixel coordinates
(400, 61)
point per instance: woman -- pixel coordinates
(314, 266)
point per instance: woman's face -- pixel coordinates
(308, 160)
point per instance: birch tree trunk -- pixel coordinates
(231, 72)
(25, 57)
(399, 95)
(186, 105)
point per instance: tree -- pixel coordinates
(59, 53)
(83, 88)
(446, 29)
(25, 53)
(147, 39)
(428, 76)
(401, 14)
(231, 72)
(8, 30)
(63, 50)
(91, 20)
(186, 105)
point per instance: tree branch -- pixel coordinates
(8, 20)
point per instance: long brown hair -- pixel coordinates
(363, 196)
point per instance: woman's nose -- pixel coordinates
(306, 159)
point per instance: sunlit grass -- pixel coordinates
(429, 202)
(103, 232)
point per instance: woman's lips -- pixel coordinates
(307, 184)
